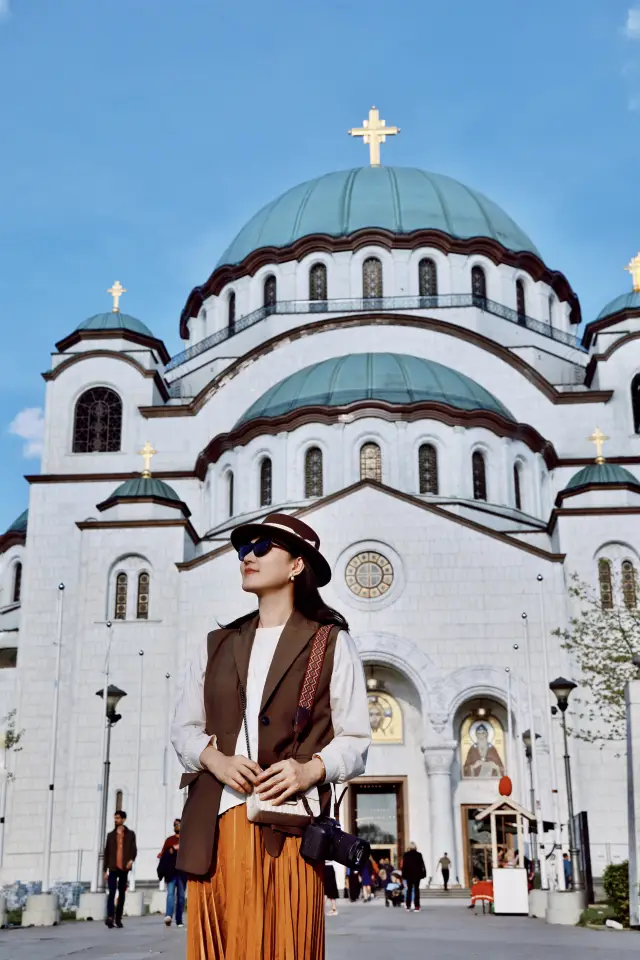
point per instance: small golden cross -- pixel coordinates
(634, 269)
(373, 132)
(598, 438)
(147, 452)
(116, 292)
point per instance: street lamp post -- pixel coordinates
(562, 689)
(114, 696)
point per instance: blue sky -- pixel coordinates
(137, 136)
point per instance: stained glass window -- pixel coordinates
(119, 800)
(370, 462)
(604, 579)
(428, 278)
(143, 596)
(230, 492)
(120, 612)
(635, 402)
(231, 312)
(270, 291)
(318, 282)
(521, 303)
(371, 278)
(313, 472)
(479, 476)
(629, 590)
(478, 284)
(17, 583)
(517, 490)
(98, 422)
(265, 482)
(552, 303)
(428, 468)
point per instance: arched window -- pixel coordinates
(479, 476)
(371, 278)
(142, 607)
(313, 485)
(635, 402)
(231, 313)
(428, 468)
(478, 286)
(604, 579)
(428, 278)
(120, 611)
(521, 302)
(270, 291)
(370, 462)
(17, 583)
(629, 589)
(230, 492)
(265, 482)
(318, 282)
(552, 305)
(517, 487)
(119, 800)
(98, 422)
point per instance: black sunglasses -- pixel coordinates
(259, 549)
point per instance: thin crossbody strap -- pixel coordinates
(307, 691)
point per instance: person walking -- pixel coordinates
(119, 853)
(331, 887)
(413, 871)
(445, 866)
(175, 879)
(275, 703)
(568, 871)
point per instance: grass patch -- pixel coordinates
(596, 915)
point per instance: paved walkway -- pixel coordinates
(441, 931)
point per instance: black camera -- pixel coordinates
(325, 840)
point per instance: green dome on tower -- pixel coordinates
(398, 199)
(601, 474)
(114, 320)
(395, 378)
(19, 525)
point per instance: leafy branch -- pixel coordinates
(603, 643)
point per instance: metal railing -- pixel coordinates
(355, 305)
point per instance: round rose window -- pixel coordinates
(369, 575)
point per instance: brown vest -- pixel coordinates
(227, 665)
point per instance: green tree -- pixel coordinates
(602, 640)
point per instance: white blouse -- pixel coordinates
(344, 757)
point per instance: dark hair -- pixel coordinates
(120, 813)
(306, 600)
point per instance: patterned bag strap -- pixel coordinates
(311, 678)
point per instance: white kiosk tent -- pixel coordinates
(510, 889)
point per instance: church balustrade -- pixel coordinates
(365, 305)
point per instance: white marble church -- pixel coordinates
(385, 353)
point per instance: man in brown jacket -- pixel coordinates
(119, 853)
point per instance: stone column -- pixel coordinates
(438, 759)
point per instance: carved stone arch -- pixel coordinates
(404, 656)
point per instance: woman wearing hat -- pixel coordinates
(251, 895)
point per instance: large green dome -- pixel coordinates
(114, 320)
(399, 199)
(391, 377)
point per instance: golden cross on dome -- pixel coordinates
(147, 452)
(634, 269)
(116, 292)
(598, 438)
(373, 132)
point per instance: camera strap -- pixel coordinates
(308, 689)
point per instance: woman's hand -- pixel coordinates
(238, 772)
(287, 777)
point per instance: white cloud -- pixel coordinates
(29, 425)
(4, 9)
(632, 26)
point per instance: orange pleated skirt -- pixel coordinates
(254, 906)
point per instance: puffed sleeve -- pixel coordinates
(346, 756)
(188, 727)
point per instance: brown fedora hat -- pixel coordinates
(293, 534)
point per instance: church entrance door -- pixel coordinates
(376, 813)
